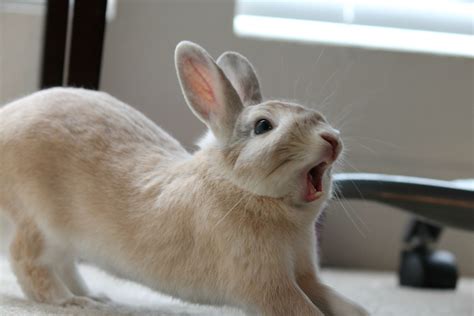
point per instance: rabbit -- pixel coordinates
(84, 176)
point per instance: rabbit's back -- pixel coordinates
(70, 144)
(81, 118)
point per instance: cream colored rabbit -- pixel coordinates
(85, 176)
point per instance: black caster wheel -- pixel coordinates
(425, 268)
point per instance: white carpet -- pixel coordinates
(378, 292)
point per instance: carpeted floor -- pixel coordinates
(378, 292)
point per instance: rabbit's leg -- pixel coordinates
(279, 298)
(35, 270)
(328, 300)
(70, 275)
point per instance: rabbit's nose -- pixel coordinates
(333, 140)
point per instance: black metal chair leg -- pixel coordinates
(420, 264)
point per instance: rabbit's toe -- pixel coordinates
(81, 302)
(101, 298)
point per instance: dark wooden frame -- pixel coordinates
(54, 43)
(86, 37)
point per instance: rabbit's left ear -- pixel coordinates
(207, 90)
(243, 77)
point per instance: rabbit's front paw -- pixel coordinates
(349, 309)
(81, 302)
(101, 298)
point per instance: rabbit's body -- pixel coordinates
(85, 176)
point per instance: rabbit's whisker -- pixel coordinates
(350, 217)
(281, 164)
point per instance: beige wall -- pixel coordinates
(400, 113)
(20, 49)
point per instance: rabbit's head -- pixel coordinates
(271, 148)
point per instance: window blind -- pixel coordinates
(435, 26)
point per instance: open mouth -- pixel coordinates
(314, 182)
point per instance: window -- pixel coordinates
(429, 26)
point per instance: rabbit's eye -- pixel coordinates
(262, 126)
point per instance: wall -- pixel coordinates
(21, 27)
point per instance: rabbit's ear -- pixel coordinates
(243, 77)
(207, 90)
